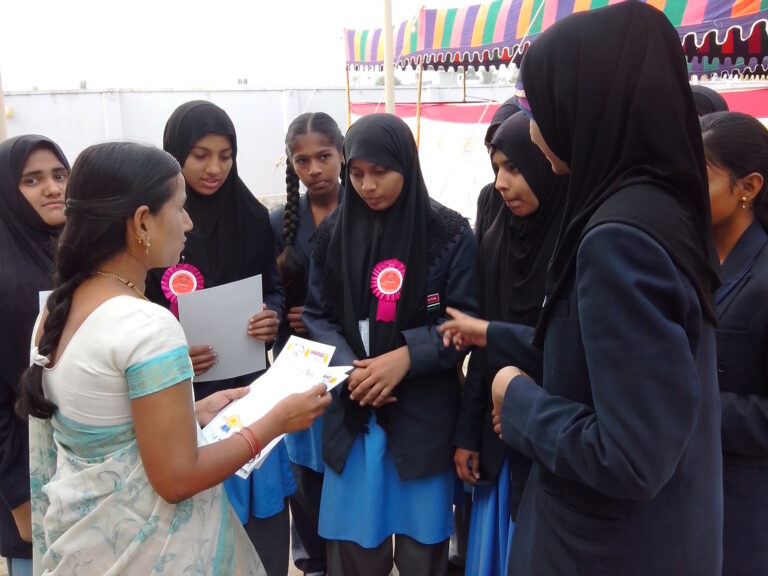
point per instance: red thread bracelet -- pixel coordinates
(255, 440)
(244, 437)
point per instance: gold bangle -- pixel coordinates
(244, 437)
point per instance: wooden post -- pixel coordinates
(418, 106)
(349, 103)
(389, 62)
(464, 85)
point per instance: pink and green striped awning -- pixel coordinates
(716, 34)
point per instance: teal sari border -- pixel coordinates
(159, 372)
(91, 443)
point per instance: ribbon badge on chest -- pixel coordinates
(387, 284)
(180, 279)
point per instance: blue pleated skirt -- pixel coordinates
(263, 493)
(368, 502)
(490, 527)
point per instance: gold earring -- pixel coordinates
(743, 202)
(139, 239)
(147, 250)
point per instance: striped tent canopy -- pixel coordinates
(722, 36)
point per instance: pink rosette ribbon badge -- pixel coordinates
(180, 279)
(387, 284)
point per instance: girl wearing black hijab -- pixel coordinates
(624, 426)
(489, 202)
(231, 240)
(33, 176)
(514, 254)
(385, 264)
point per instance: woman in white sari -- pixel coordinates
(118, 482)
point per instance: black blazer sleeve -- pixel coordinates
(511, 344)
(319, 320)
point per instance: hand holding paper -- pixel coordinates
(288, 392)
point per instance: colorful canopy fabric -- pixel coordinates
(718, 35)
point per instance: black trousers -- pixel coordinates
(307, 547)
(271, 538)
(412, 558)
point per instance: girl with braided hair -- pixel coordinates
(313, 147)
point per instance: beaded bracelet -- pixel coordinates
(253, 449)
(255, 440)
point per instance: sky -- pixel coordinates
(167, 44)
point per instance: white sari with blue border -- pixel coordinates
(94, 510)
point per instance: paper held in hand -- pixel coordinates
(301, 364)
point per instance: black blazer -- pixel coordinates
(421, 423)
(742, 367)
(624, 432)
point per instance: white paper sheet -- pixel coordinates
(301, 365)
(218, 317)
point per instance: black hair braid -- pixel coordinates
(32, 401)
(292, 273)
(291, 214)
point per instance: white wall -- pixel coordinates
(455, 165)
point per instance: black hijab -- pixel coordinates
(362, 237)
(489, 201)
(515, 252)
(609, 90)
(507, 109)
(27, 246)
(707, 100)
(231, 239)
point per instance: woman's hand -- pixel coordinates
(463, 330)
(22, 515)
(294, 320)
(263, 326)
(467, 464)
(203, 357)
(209, 406)
(499, 389)
(374, 379)
(298, 411)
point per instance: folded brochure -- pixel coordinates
(301, 364)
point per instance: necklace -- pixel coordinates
(128, 283)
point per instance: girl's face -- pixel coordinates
(558, 166)
(378, 186)
(208, 164)
(168, 227)
(43, 181)
(317, 163)
(517, 195)
(723, 196)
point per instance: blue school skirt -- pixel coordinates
(368, 502)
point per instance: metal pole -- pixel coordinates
(418, 107)
(464, 84)
(3, 130)
(349, 103)
(389, 64)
